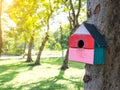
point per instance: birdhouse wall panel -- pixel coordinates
(99, 55)
(82, 30)
(96, 35)
(87, 39)
(87, 45)
(81, 55)
(73, 40)
(89, 42)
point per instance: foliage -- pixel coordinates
(59, 37)
(23, 13)
(1, 41)
(12, 46)
(49, 8)
(31, 19)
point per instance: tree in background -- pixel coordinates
(50, 7)
(33, 26)
(105, 15)
(1, 43)
(73, 20)
(24, 14)
(29, 58)
(11, 44)
(54, 42)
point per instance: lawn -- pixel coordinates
(15, 74)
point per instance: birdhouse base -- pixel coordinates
(81, 55)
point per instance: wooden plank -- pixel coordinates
(100, 41)
(99, 55)
(82, 30)
(87, 39)
(81, 55)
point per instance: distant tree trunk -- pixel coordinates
(37, 62)
(61, 41)
(29, 58)
(65, 62)
(24, 48)
(50, 11)
(105, 14)
(1, 43)
(73, 20)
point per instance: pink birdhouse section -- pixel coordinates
(82, 46)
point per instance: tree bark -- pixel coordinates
(65, 62)
(29, 58)
(105, 15)
(50, 11)
(1, 43)
(37, 62)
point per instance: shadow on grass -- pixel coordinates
(8, 77)
(15, 66)
(52, 84)
(9, 71)
(59, 61)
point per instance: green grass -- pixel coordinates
(18, 75)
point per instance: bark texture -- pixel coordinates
(105, 15)
(65, 62)
(37, 62)
(45, 39)
(29, 58)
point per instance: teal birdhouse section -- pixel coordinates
(99, 44)
(99, 54)
(87, 45)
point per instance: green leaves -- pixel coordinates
(32, 18)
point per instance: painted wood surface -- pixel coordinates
(82, 30)
(83, 46)
(87, 39)
(81, 55)
(99, 55)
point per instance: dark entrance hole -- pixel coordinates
(80, 43)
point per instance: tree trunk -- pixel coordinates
(1, 43)
(65, 62)
(73, 20)
(29, 58)
(105, 15)
(37, 62)
(61, 41)
(24, 48)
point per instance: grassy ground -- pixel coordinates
(18, 75)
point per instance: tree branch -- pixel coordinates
(72, 8)
(79, 6)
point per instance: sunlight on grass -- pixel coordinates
(17, 75)
(5, 62)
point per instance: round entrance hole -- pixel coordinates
(80, 43)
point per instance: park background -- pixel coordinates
(35, 36)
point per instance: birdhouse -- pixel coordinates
(87, 45)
